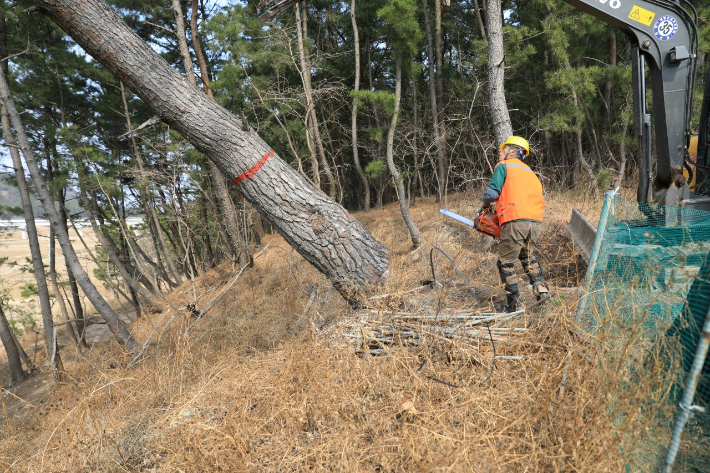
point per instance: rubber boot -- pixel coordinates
(534, 272)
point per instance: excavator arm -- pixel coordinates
(665, 39)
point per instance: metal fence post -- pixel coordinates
(686, 407)
(592, 266)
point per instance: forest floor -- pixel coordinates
(267, 381)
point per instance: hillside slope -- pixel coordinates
(266, 381)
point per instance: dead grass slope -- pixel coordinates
(259, 383)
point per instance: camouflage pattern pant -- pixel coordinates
(516, 240)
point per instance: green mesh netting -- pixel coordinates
(644, 310)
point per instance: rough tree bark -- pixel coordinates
(17, 374)
(398, 182)
(115, 325)
(356, 87)
(318, 228)
(500, 118)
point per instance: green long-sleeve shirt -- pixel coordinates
(495, 187)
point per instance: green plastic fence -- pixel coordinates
(644, 308)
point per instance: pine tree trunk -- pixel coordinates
(479, 20)
(440, 151)
(441, 135)
(116, 325)
(356, 157)
(318, 228)
(146, 197)
(500, 118)
(17, 374)
(608, 84)
(37, 264)
(128, 272)
(52, 266)
(311, 117)
(57, 293)
(204, 211)
(622, 164)
(398, 182)
(236, 243)
(578, 141)
(415, 148)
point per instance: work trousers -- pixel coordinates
(516, 240)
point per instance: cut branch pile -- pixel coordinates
(381, 331)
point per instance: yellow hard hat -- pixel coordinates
(518, 141)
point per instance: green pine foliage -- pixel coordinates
(74, 113)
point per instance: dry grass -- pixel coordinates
(260, 384)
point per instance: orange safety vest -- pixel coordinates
(521, 196)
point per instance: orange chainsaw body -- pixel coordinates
(487, 223)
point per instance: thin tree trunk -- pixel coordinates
(204, 206)
(318, 228)
(182, 41)
(76, 298)
(146, 196)
(126, 269)
(500, 118)
(23, 355)
(52, 262)
(57, 293)
(622, 164)
(479, 20)
(440, 151)
(441, 136)
(578, 135)
(608, 85)
(415, 140)
(37, 264)
(211, 194)
(17, 374)
(356, 157)
(398, 182)
(236, 242)
(311, 117)
(116, 325)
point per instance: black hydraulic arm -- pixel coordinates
(665, 35)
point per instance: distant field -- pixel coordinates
(14, 272)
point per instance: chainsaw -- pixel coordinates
(486, 221)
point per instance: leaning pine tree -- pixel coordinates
(322, 231)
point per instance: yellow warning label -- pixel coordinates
(641, 15)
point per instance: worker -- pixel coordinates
(517, 192)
